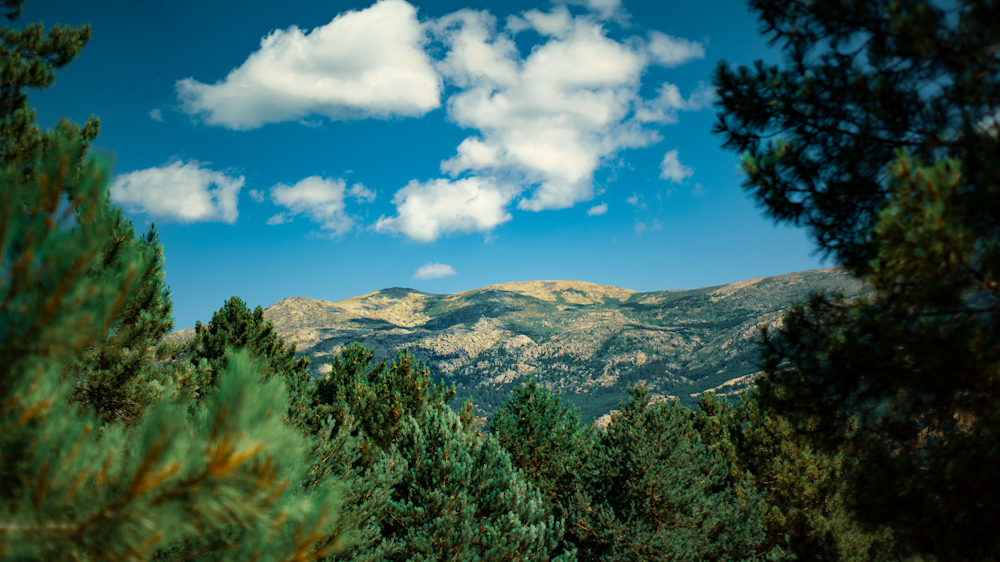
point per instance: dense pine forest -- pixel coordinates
(874, 433)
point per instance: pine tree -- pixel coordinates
(804, 510)
(654, 491)
(235, 326)
(890, 155)
(73, 489)
(543, 436)
(335, 444)
(28, 59)
(380, 396)
(117, 376)
(461, 498)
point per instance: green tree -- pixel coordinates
(863, 79)
(116, 376)
(461, 498)
(904, 380)
(119, 377)
(235, 326)
(379, 396)
(29, 58)
(654, 491)
(543, 436)
(74, 490)
(336, 443)
(804, 511)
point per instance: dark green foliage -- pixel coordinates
(804, 510)
(74, 490)
(906, 380)
(117, 377)
(235, 326)
(380, 397)
(448, 493)
(28, 59)
(335, 444)
(461, 498)
(543, 436)
(863, 79)
(653, 490)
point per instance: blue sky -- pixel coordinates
(330, 149)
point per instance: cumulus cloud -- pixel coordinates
(156, 114)
(673, 51)
(663, 109)
(597, 210)
(546, 121)
(434, 271)
(320, 199)
(187, 192)
(425, 211)
(367, 63)
(672, 169)
(256, 195)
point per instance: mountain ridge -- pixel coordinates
(586, 340)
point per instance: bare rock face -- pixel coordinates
(590, 342)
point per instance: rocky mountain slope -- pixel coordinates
(589, 341)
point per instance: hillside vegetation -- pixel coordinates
(590, 342)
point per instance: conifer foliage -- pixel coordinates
(235, 326)
(888, 149)
(543, 436)
(654, 491)
(455, 495)
(102, 456)
(74, 489)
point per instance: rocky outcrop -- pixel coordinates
(591, 342)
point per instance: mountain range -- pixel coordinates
(590, 342)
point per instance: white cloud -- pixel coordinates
(544, 123)
(636, 201)
(672, 169)
(434, 271)
(664, 107)
(156, 114)
(361, 193)
(426, 211)
(181, 191)
(320, 199)
(280, 218)
(597, 210)
(547, 121)
(673, 51)
(367, 63)
(256, 195)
